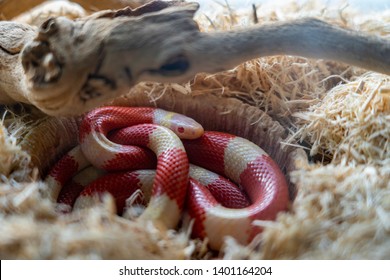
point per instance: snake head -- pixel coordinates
(74, 66)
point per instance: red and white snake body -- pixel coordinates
(115, 138)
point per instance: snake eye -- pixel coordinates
(174, 67)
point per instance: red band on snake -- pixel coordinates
(113, 138)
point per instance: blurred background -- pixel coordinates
(363, 5)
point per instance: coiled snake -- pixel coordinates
(114, 139)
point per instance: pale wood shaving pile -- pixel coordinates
(351, 123)
(340, 212)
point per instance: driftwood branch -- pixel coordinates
(13, 37)
(73, 66)
(109, 4)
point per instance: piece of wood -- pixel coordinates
(13, 37)
(93, 5)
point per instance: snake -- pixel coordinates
(221, 182)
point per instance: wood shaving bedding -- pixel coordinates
(351, 123)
